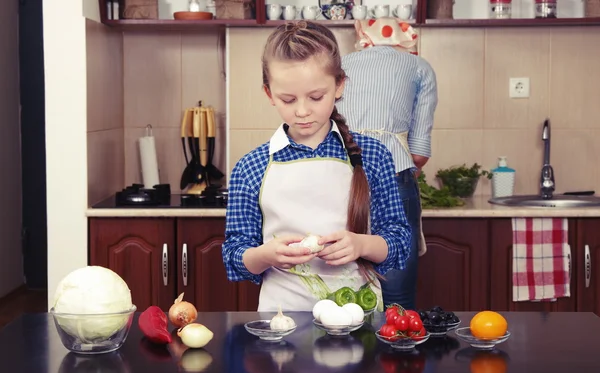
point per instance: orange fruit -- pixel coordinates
(488, 325)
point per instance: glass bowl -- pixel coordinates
(262, 329)
(402, 343)
(463, 187)
(483, 344)
(93, 333)
(338, 330)
(440, 330)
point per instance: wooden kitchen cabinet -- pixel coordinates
(190, 248)
(587, 249)
(142, 252)
(454, 272)
(200, 270)
(501, 239)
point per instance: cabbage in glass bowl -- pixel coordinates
(93, 333)
(92, 310)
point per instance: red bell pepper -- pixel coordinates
(153, 323)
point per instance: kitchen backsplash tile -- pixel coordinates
(104, 55)
(250, 108)
(505, 58)
(152, 79)
(203, 73)
(575, 77)
(574, 157)
(457, 57)
(106, 170)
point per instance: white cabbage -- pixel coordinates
(92, 290)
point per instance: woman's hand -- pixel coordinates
(345, 247)
(280, 254)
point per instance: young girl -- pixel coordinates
(313, 176)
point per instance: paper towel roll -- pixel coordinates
(149, 162)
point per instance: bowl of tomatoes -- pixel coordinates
(403, 329)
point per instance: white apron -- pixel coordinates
(301, 197)
(403, 139)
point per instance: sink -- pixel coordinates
(559, 201)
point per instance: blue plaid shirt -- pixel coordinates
(243, 228)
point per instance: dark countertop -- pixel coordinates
(540, 342)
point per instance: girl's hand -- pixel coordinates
(344, 248)
(279, 254)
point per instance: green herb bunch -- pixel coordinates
(432, 197)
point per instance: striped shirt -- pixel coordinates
(393, 92)
(243, 228)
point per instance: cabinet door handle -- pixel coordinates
(184, 264)
(569, 259)
(588, 266)
(165, 265)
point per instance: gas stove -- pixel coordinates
(160, 197)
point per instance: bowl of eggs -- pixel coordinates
(337, 320)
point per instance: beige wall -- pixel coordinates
(105, 132)
(11, 262)
(476, 121)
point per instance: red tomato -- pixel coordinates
(391, 317)
(415, 324)
(391, 310)
(401, 323)
(388, 330)
(412, 314)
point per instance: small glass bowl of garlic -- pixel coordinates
(262, 329)
(272, 330)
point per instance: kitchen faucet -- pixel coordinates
(547, 178)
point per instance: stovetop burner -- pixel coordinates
(160, 196)
(210, 197)
(137, 195)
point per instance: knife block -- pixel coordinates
(196, 188)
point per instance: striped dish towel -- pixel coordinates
(541, 259)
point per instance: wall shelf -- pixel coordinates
(176, 25)
(332, 23)
(515, 22)
(261, 21)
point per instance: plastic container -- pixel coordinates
(500, 9)
(503, 179)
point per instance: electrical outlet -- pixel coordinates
(518, 87)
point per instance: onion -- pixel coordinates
(195, 335)
(182, 313)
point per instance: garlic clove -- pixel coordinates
(312, 242)
(281, 322)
